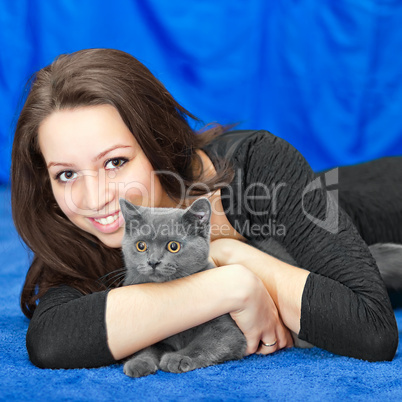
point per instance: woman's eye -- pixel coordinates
(141, 246)
(66, 176)
(115, 163)
(173, 246)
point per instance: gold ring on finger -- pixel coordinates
(268, 345)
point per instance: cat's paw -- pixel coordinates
(140, 367)
(174, 362)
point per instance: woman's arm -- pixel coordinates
(285, 283)
(140, 315)
(345, 308)
(157, 311)
(71, 330)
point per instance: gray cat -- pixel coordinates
(164, 244)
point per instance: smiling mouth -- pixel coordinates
(108, 220)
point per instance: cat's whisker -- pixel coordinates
(113, 277)
(178, 275)
(110, 284)
(112, 272)
(118, 280)
(116, 283)
(118, 275)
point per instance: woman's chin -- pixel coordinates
(112, 240)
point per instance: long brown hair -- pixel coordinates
(63, 253)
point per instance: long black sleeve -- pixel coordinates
(68, 330)
(345, 307)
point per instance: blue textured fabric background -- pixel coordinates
(324, 75)
(287, 375)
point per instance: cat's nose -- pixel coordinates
(154, 263)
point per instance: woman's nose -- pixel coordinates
(96, 191)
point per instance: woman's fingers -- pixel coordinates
(284, 336)
(258, 318)
(288, 341)
(273, 341)
(252, 346)
(268, 348)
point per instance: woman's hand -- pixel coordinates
(258, 318)
(284, 282)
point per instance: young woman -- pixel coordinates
(98, 126)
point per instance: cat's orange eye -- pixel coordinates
(141, 246)
(173, 246)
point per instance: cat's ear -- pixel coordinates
(129, 210)
(199, 212)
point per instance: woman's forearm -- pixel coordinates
(138, 316)
(284, 282)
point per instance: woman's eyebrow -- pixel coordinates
(101, 155)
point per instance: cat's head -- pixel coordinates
(162, 244)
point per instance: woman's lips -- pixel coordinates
(108, 224)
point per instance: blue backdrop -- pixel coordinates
(324, 75)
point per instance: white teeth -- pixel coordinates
(107, 221)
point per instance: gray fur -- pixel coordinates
(389, 261)
(213, 342)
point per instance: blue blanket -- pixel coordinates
(292, 374)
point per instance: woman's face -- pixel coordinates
(93, 160)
